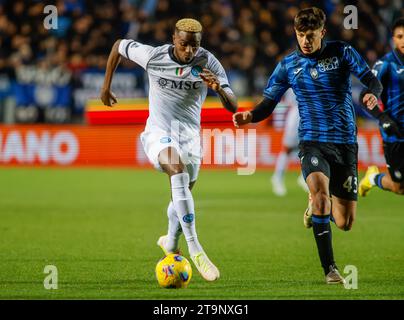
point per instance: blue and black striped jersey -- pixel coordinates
(390, 71)
(322, 86)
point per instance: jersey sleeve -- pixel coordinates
(356, 64)
(216, 67)
(135, 51)
(380, 70)
(277, 83)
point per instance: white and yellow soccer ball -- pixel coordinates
(173, 271)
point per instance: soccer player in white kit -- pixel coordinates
(179, 77)
(290, 143)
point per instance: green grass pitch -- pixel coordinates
(99, 228)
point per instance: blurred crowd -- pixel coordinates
(248, 37)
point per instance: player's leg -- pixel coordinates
(182, 200)
(343, 212)
(318, 186)
(302, 183)
(344, 190)
(153, 142)
(183, 204)
(369, 181)
(277, 179)
(290, 142)
(163, 152)
(386, 182)
(169, 242)
(317, 171)
(393, 180)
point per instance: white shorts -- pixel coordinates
(189, 149)
(290, 133)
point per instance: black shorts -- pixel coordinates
(339, 162)
(394, 154)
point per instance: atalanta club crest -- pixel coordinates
(314, 161)
(314, 73)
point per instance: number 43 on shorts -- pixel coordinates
(351, 184)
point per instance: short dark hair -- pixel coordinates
(397, 24)
(309, 19)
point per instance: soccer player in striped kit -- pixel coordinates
(319, 72)
(390, 71)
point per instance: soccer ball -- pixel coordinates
(173, 271)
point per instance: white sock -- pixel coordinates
(372, 179)
(184, 206)
(281, 164)
(174, 229)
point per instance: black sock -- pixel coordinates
(323, 236)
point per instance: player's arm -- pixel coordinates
(260, 112)
(215, 78)
(107, 97)
(374, 88)
(371, 93)
(358, 66)
(277, 86)
(129, 49)
(227, 97)
(379, 71)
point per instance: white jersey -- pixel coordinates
(291, 130)
(176, 91)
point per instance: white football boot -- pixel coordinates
(205, 267)
(161, 243)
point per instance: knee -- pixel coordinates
(176, 169)
(179, 186)
(321, 203)
(345, 224)
(348, 226)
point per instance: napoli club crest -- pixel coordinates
(196, 70)
(314, 73)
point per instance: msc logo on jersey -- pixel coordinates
(182, 85)
(328, 64)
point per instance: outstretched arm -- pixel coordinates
(107, 97)
(261, 111)
(372, 92)
(228, 99)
